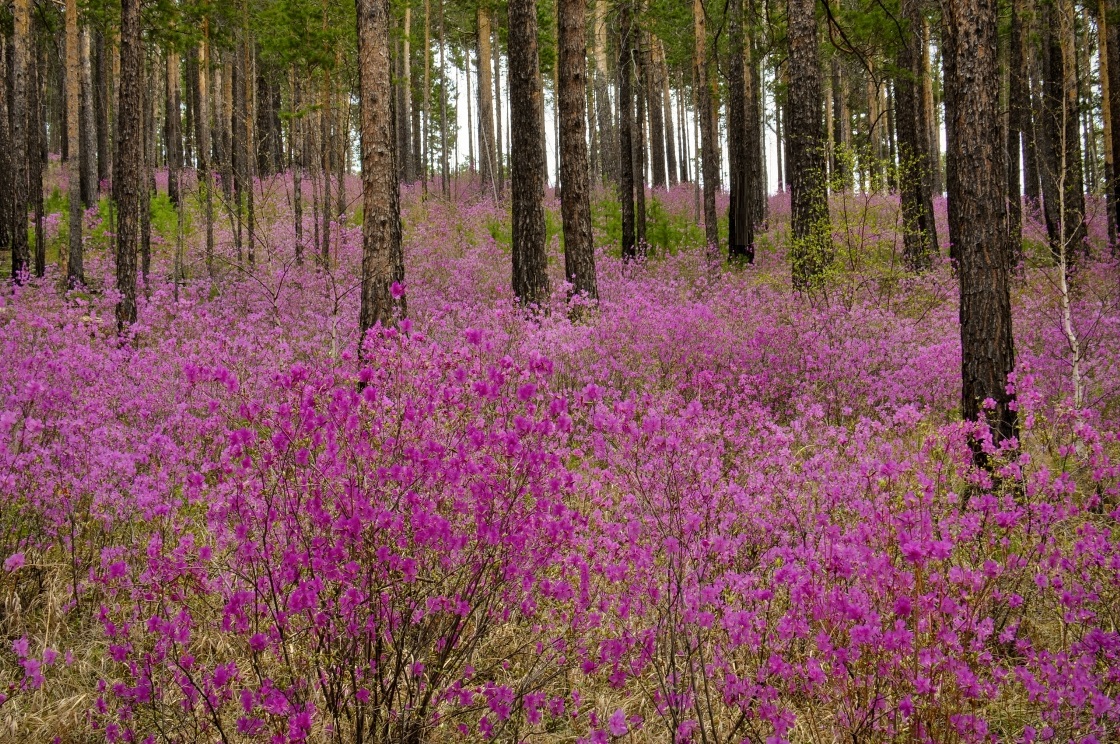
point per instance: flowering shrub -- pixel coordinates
(711, 510)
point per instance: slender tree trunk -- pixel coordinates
(1018, 107)
(740, 227)
(780, 145)
(129, 155)
(812, 243)
(102, 107)
(499, 150)
(1112, 35)
(295, 135)
(487, 157)
(444, 165)
(7, 177)
(527, 156)
(656, 105)
(74, 270)
(408, 169)
(427, 107)
(977, 180)
(147, 170)
(382, 256)
(919, 232)
(639, 139)
(19, 115)
(37, 148)
(87, 130)
(575, 199)
(753, 143)
(248, 158)
(682, 123)
(202, 136)
(609, 146)
(625, 127)
(670, 139)
(709, 136)
(325, 117)
(172, 128)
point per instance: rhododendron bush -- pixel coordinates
(707, 510)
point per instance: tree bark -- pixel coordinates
(919, 231)
(7, 177)
(487, 155)
(608, 139)
(812, 244)
(977, 183)
(1113, 104)
(740, 237)
(656, 107)
(129, 155)
(19, 114)
(202, 136)
(87, 130)
(670, 139)
(575, 195)
(527, 156)
(74, 270)
(709, 137)
(173, 128)
(499, 150)
(626, 127)
(382, 257)
(37, 148)
(1018, 109)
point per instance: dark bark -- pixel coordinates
(706, 105)
(608, 138)
(74, 269)
(498, 148)
(656, 107)
(172, 127)
(670, 138)
(812, 244)
(627, 31)
(19, 113)
(102, 108)
(527, 156)
(919, 232)
(977, 185)
(382, 257)
(87, 130)
(37, 148)
(1018, 109)
(1113, 54)
(638, 136)
(575, 195)
(203, 134)
(7, 177)
(740, 238)
(128, 156)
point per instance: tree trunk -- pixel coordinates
(499, 150)
(102, 108)
(639, 139)
(295, 136)
(173, 128)
(575, 195)
(812, 243)
(202, 137)
(487, 156)
(7, 178)
(608, 140)
(753, 143)
(625, 127)
(1018, 108)
(129, 155)
(670, 143)
(919, 232)
(444, 165)
(87, 129)
(147, 172)
(527, 156)
(977, 181)
(37, 148)
(1113, 104)
(656, 105)
(248, 159)
(74, 271)
(19, 115)
(740, 228)
(382, 257)
(709, 136)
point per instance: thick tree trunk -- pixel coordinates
(919, 232)
(812, 243)
(709, 136)
(487, 155)
(575, 195)
(656, 105)
(626, 127)
(382, 257)
(1018, 108)
(639, 138)
(128, 156)
(19, 115)
(74, 270)
(740, 236)
(753, 142)
(527, 156)
(977, 181)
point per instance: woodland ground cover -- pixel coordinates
(712, 509)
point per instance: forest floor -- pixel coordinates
(707, 509)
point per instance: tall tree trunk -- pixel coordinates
(247, 80)
(325, 118)
(19, 115)
(753, 143)
(87, 129)
(639, 138)
(609, 146)
(709, 136)
(1104, 32)
(295, 135)
(841, 128)
(37, 148)
(575, 196)
(128, 156)
(919, 232)
(499, 150)
(1113, 103)
(654, 87)
(7, 177)
(625, 126)
(977, 181)
(202, 136)
(740, 227)
(487, 156)
(1018, 97)
(382, 256)
(407, 169)
(444, 164)
(527, 156)
(74, 270)
(670, 139)
(173, 128)
(427, 94)
(147, 171)
(102, 108)
(812, 243)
